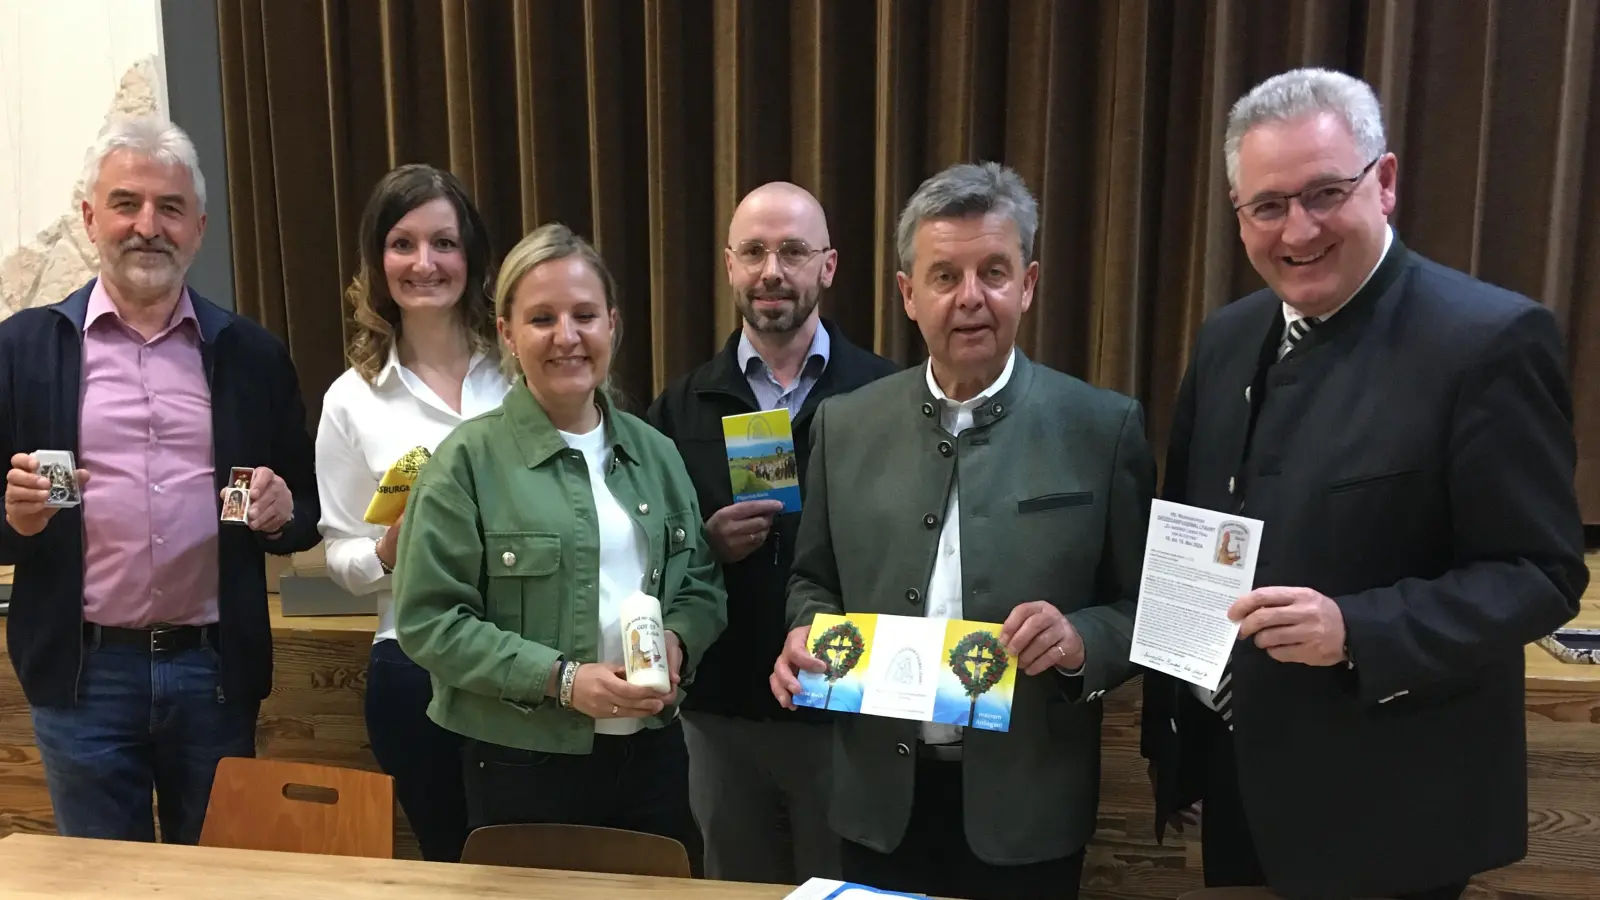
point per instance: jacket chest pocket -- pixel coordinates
(677, 540)
(523, 568)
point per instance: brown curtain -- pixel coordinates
(641, 122)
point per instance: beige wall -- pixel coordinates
(64, 66)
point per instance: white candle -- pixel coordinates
(644, 642)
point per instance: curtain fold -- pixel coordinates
(640, 123)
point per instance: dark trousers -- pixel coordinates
(1228, 851)
(934, 858)
(144, 721)
(423, 759)
(639, 782)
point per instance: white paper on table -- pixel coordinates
(1197, 562)
(828, 889)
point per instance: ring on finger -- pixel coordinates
(614, 709)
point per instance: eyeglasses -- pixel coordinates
(792, 253)
(1317, 200)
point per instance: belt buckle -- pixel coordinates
(160, 642)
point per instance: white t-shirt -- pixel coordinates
(364, 430)
(622, 558)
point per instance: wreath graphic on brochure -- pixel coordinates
(840, 649)
(979, 661)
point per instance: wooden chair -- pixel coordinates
(1232, 894)
(271, 804)
(577, 848)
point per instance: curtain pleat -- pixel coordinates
(640, 123)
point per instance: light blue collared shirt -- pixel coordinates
(770, 394)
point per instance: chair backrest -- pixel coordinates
(579, 848)
(1234, 894)
(271, 804)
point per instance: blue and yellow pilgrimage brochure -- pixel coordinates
(761, 460)
(951, 671)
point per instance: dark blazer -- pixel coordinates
(257, 419)
(733, 675)
(1413, 460)
(1056, 484)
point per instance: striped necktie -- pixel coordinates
(1297, 331)
(1222, 699)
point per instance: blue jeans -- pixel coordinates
(143, 722)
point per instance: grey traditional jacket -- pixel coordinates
(1056, 481)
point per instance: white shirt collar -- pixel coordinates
(986, 393)
(410, 382)
(1291, 315)
(392, 366)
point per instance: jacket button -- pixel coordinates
(912, 596)
(644, 509)
(927, 409)
(1230, 485)
(944, 448)
(930, 520)
(1247, 393)
(678, 535)
(509, 558)
(902, 750)
(655, 575)
(999, 410)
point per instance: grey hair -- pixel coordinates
(150, 137)
(1302, 92)
(969, 189)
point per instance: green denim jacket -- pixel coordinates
(499, 561)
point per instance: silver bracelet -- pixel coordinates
(381, 564)
(569, 678)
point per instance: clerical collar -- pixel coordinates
(1292, 315)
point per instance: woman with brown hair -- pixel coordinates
(423, 358)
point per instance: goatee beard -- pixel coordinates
(785, 322)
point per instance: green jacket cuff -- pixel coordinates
(529, 677)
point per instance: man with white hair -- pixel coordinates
(1405, 433)
(138, 620)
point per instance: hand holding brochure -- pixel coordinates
(1197, 562)
(761, 460)
(907, 667)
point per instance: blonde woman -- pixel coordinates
(530, 526)
(423, 357)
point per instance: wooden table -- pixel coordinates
(314, 715)
(46, 866)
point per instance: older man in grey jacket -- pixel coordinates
(988, 487)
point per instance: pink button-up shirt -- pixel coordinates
(150, 505)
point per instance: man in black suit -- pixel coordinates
(1405, 433)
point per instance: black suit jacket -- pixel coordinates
(1413, 460)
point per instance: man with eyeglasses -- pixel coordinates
(1405, 433)
(758, 776)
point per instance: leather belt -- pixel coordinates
(158, 639)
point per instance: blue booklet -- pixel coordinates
(761, 460)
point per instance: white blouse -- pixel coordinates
(364, 430)
(622, 557)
